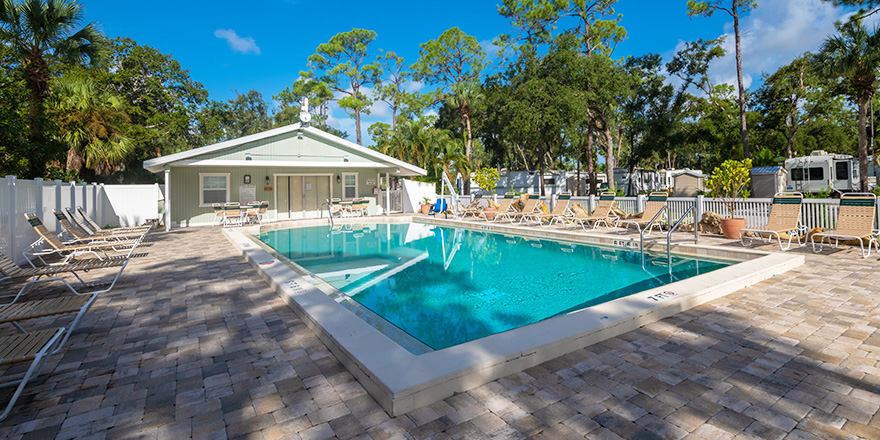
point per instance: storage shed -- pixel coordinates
(767, 181)
(689, 183)
(295, 168)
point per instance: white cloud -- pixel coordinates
(772, 35)
(414, 86)
(238, 44)
(490, 48)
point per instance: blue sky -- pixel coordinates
(264, 44)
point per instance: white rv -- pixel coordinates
(822, 171)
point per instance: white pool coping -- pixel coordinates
(401, 381)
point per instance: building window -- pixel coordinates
(349, 186)
(813, 173)
(213, 188)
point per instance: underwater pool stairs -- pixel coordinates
(401, 381)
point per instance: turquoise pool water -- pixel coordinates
(446, 286)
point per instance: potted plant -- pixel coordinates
(730, 183)
(486, 178)
(425, 208)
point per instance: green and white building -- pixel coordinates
(296, 168)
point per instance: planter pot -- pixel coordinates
(489, 212)
(425, 209)
(731, 226)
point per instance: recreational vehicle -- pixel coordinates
(823, 171)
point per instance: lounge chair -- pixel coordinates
(785, 218)
(855, 221)
(8, 269)
(529, 207)
(649, 218)
(335, 207)
(70, 251)
(84, 236)
(92, 226)
(602, 214)
(27, 347)
(474, 208)
(561, 209)
(14, 311)
(506, 206)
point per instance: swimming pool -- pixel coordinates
(402, 379)
(446, 286)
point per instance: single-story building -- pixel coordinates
(767, 181)
(295, 168)
(688, 183)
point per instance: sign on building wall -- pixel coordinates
(247, 193)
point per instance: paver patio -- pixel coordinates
(192, 343)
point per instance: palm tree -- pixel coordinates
(854, 54)
(464, 96)
(89, 121)
(39, 30)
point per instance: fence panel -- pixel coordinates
(629, 205)
(820, 213)
(677, 206)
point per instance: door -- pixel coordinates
(282, 189)
(841, 175)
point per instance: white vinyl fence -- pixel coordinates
(815, 213)
(109, 205)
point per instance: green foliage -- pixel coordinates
(454, 57)
(766, 157)
(240, 116)
(486, 179)
(90, 122)
(730, 183)
(344, 68)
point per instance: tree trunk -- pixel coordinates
(357, 125)
(74, 160)
(609, 155)
(577, 189)
(591, 164)
(619, 143)
(863, 140)
(468, 148)
(541, 171)
(739, 81)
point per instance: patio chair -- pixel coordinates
(219, 213)
(559, 210)
(529, 207)
(602, 214)
(251, 212)
(15, 311)
(359, 207)
(28, 347)
(474, 208)
(785, 218)
(8, 269)
(80, 236)
(439, 207)
(855, 221)
(70, 251)
(234, 214)
(262, 210)
(93, 227)
(649, 218)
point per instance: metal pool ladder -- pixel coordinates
(669, 239)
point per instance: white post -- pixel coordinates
(13, 215)
(99, 207)
(38, 196)
(72, 196)
(167, 199)
(592, 202)
(387, 193)
(640, 203)
(58, 183)
(95, 203)
(698, 210)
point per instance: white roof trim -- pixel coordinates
(160, 161)
(156, 165)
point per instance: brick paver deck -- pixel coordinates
(192, 343)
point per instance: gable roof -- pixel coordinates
(158, 164)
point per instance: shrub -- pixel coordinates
(486, 178)
(730, 183)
